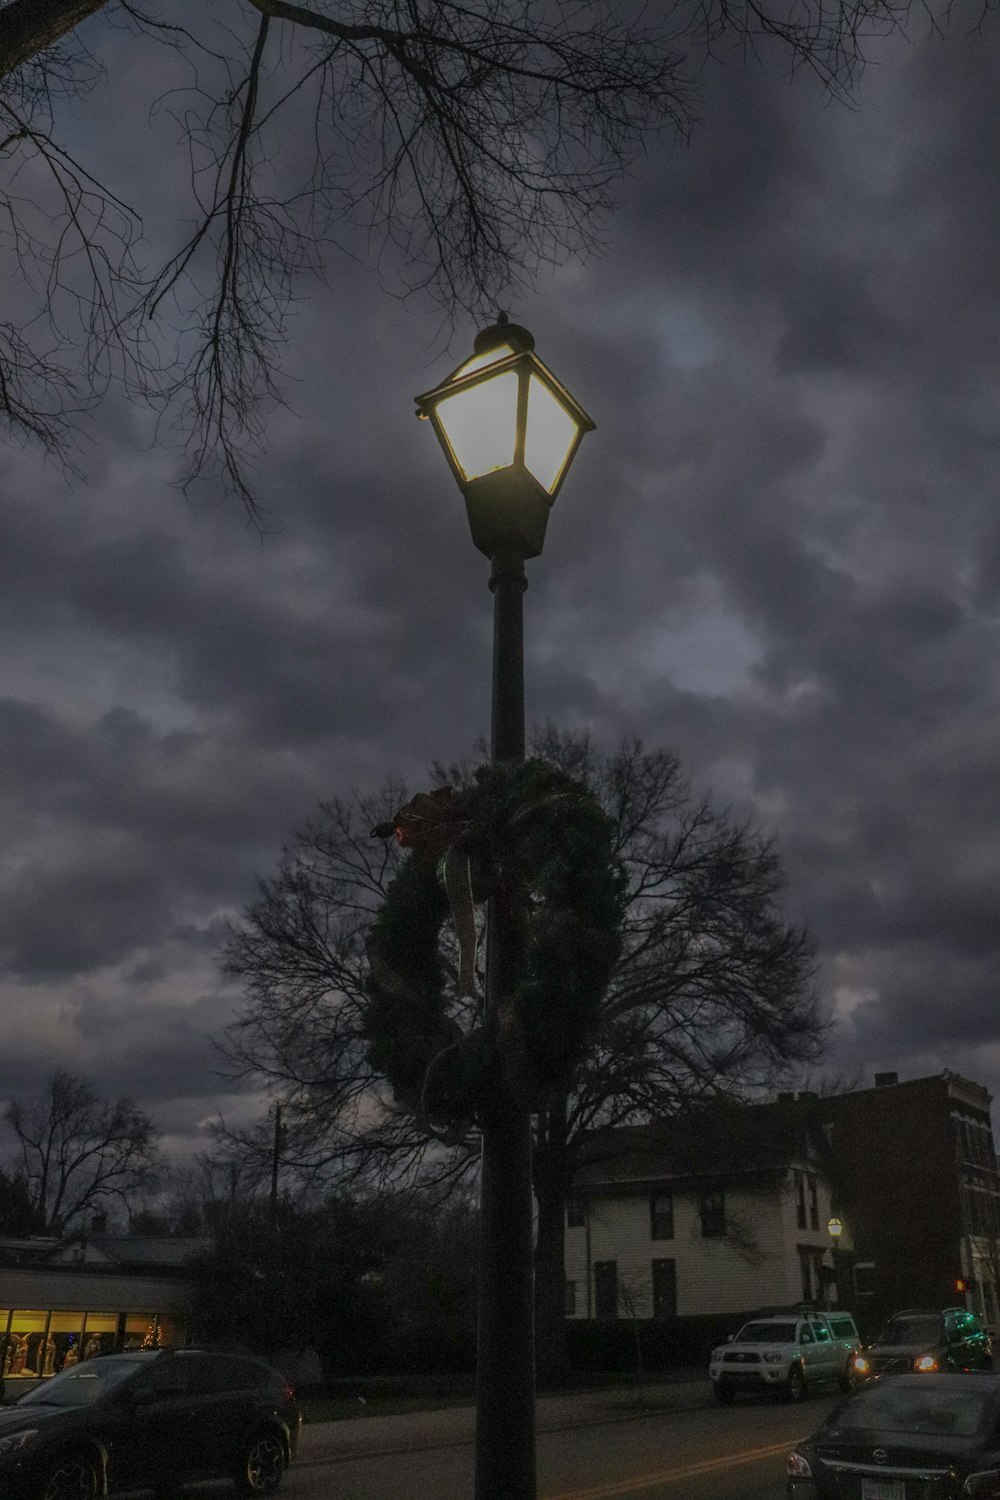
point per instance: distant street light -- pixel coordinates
(509, 431)
(834, 1228)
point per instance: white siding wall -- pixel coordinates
(755, 1264)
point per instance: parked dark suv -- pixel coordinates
(149, 1419)
(926, 1342)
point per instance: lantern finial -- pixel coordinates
(503, 332)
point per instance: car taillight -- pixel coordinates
(288, 1394)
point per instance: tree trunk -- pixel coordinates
(550, 1178)
(28, 27)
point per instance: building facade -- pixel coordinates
(733, 1217)
(916, 1164)
(65, 1302)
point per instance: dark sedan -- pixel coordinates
(150, 1420)
(905, 1437)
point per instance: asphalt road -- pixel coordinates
(704, 1453)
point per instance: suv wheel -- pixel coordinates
(846, 1380)
(262, 1464)
(72, 1477)
(795, 1386)
(723, 1391)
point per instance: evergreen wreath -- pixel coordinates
(549, 837)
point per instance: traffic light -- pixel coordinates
(963, 1284)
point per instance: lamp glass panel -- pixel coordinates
(550, 436)
(480, 425)
(479, 361)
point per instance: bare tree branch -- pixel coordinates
(473, 143)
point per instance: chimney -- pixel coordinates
(886, 1080)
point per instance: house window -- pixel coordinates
(575, 1213)
(813, 1204)
(712, 1209)
(664, 1288)
(800, 1200)
(569, 1301)
(661, 1216)
(606, 1288)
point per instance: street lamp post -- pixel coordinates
(509, 430)
(835, 1228)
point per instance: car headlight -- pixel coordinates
(772, 1358)
(925, 1363)
(716, 1354)
(797, 1467)
(861, 1364)
(9, 1445)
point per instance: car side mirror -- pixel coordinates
(730, 1337)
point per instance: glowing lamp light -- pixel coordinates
(834, 1228)
(509, 430)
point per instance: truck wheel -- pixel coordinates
(795, 1386)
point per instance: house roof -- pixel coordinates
(128, 1253)
(724, 1141)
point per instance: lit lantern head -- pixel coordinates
(509, 430)
(835, 1228)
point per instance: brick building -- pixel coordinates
(916, 1171)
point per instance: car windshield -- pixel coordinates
(83, 1384)
(919, 1330)
(894, 1407)
(766, 1333)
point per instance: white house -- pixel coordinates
(727, 1211)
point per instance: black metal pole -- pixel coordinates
(505, 1378)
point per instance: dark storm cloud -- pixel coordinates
(779, 552)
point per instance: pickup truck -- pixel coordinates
(789, 1353)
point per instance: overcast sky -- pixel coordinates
(779, 552)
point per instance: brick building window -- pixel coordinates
(800, 1199)
(661, 1216)
(813, 1204)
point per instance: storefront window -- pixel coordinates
(148, 1331)
(99, 1334)
(25, 1351)
(35, 1343)
(66, 1337)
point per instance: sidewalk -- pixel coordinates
(356, 1437)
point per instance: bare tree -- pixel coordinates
(79, 1153)
(479, 140)
(711, 997)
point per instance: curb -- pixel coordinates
(702, 1400)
